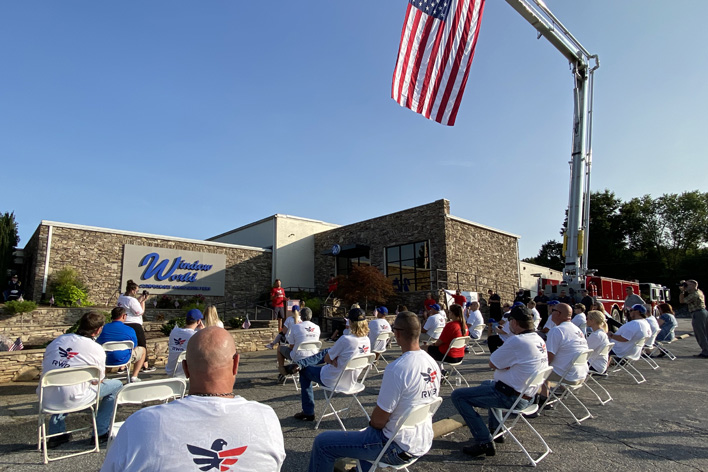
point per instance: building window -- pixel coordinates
(408, 267)
(345, 264)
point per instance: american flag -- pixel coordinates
(17, 345)
(437, 45)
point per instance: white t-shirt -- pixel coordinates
(287, 326)
(134, 310)
(596, 341)
(179, 338)
(566, 341)
(632, 331)
(654, 326)
(579, 320)
(536, 318)
(504, 331)
(72, 350)
(433, 322)
(549, 324)
(475, 318)
(345, 348)
(174, 436)
(376, 327)
(412, 379)
(306, 331)
(518, 359)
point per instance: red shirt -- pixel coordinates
(451, 331)
(428, 303)
(277, 296)
(460, 300)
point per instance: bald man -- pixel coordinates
(211, 427)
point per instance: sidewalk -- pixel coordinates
(658, 425)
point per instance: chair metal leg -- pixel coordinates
(598, 384)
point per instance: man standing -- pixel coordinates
(412, 379)
(79, 350)
(586, 300)
(696, 304)
(495, 312)
(179, 338)
(514, 363)
(458, 298)
(542, 306)
(563, 298)
(277, 301)
(210, 429)
(631, 300)
(116, 330)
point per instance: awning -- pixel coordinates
(347, 250)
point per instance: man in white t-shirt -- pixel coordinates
(79, 350)
(531, 305)
(630, 333)
(412, 379)
(305, 331)
(514, 363)
(475, 320)
(179, 338)
(211, 429)
(435, 321)
(376, 327)
(335, 359)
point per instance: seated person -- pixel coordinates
(293, 318)
(402, 386)
(654, 325)
(79, 350)
(14, 289)
(436, 319)
(597, 340)
(116, 330)
(612, 324)
(454, 329)
(475, 320)
(211, 428)
(531, 305)
(179, 338)
(514, 363)
(630, 333)
(667, 324)
(335, 359)
(549, 322)
(376, 327)
(579, 318)
(502, 332)
(305, 331)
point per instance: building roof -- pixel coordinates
(272, 217)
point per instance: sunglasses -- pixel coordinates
(555, 310)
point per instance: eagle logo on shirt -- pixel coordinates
(363, 349)
(180, 341)
(430, 375)
(310, 330)
(215, 458)
(67, 353)
(541, 348)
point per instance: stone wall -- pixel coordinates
(98, 255)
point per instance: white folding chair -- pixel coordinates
(178, 373)
(414, 416)
(66, 378)
(356, 363)
(456, 343)
(474, 343)
(625, 364)
(385, 338)
(305, 346)
(661, 347)
(503, 415)
(600, 352)
(112, 346)
(435, 334)
(569, 388)
(140, 393)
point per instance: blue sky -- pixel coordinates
(192, 118)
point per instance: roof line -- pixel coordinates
(462, 220)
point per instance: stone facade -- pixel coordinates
(461, 253)
(97, 254)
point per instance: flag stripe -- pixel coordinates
(430, 70)
(470, 56)
(420, 54)
(411, 42)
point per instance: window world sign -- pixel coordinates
(175, 272)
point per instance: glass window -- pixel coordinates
(408, 267)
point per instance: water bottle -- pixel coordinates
(458, 380)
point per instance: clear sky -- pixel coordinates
(189, 118)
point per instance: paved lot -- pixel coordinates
(659, 425)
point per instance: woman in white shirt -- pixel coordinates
(597, 340)
(211, 317)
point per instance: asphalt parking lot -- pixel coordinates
(661, 424)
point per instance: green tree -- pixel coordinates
(550, 255)
(9, 239)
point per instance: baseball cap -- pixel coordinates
(468, 304)
(553, 302)
(518, 304)
(519, 313)
(356, 314)
(296, 308)
(382, 309)
(640, 308)
(435, 306)
(194, 315)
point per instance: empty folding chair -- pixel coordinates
(414, 416)
(382, 340)
(454, 344)
(66, 378)
(140, 393)
(514, 414)
(112, 346)
(305, 346)
(569, 388)
(474, 343)
(601, 352)
(625, 364)
(355, 363)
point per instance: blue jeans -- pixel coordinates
(109, 388)
(310, 372)
(484, 396)
(364, 445)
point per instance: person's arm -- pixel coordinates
(615, 337)
(660, 321)
(329, 360)
(379, 418)
(551, 356)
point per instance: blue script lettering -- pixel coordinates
(158, 269)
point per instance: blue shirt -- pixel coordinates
(117, 331)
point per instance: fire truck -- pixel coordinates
(612, 292)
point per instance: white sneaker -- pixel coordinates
(135, 379)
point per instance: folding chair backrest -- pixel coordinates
(602, 351)
(479, 327)
(310, 345)
(151, 391)
(118, 346)
(70, 376)
(418, 414)
(459, 342)
(179, 372)
(582, 357)
(537, 379)
(359, 362)
(640, 343)
(437, 331)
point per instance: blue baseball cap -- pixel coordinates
(382, 309)
(640, 308)
(435, 306)
(553, 302)
(296, 308)
(194, 315)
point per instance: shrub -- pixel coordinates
(15, 306)
(236, 322)
(364, 284)
(179, 321)
(67, 288)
